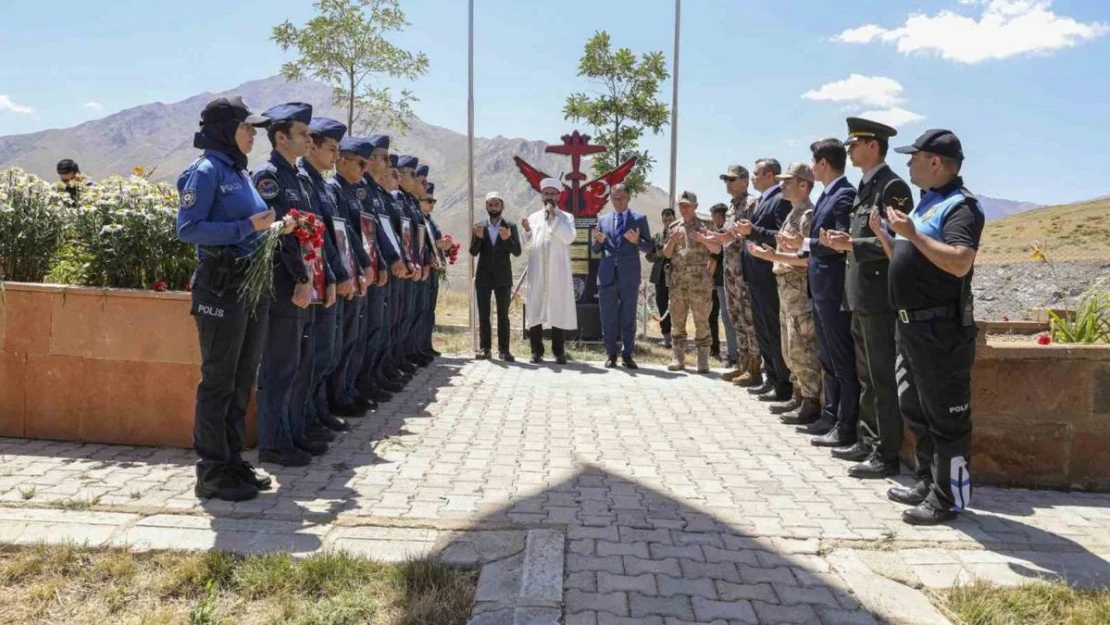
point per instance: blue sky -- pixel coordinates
(1018, 80)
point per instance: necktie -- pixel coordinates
(620, 224)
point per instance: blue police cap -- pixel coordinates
(379, 141)
(328, 127)
(406, 160)
(355, 145)
(290, 112)
(422, 171)
(430, 188)
(393, 161)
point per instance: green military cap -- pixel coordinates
(860, 129)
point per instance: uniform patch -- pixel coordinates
(292, 195)
(188, 198)
(579, 288)
(360, 194)
(268, 188)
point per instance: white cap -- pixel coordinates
(551, 182)
(493, 195)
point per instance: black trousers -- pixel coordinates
(715, 324)
(231, 341)
(501, 294)
(934, 382)
(880, 419)
(662, 300)
(768, 333)
(838, 361)
(558, 340)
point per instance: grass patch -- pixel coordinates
(79, 586)
(1039, 603)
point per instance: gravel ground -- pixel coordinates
(1009, 290)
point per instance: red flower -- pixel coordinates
(160, 285)
(1044, 339)
(295, 214)
(1005, 318)
(311, 256)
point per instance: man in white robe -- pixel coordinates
(550, 302)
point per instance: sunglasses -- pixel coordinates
(731, 178)
(428, 201)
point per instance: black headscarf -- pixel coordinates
(220, 136)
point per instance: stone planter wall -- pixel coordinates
(1040, 415)
(98, 365)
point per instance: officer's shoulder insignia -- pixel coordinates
(268, 188)
(188, 198)
(360, 194)
(899, 202)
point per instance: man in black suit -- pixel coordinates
(766, 221)
(493, 242)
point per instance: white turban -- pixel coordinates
(551, 182)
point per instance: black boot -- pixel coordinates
(247, 473)
(927, 514)
(335, 424)
(767, 386)
(315, 448)
(820, 427)
(875, 468)
(391, 387)
(910, 496)
(291, 457)
(807, 413)
(224, 483)
(855, 453)
(319, 433)
(836, 437)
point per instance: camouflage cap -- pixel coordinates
(735, 171)
(797, 170)
(688, 197)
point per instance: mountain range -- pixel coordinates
(159, 136)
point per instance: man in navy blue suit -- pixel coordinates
(620, 236)
(835, 347)
(766, 221)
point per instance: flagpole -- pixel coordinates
(470, 171)
(674, 103)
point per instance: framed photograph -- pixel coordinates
(390, 234)
(343, 243)
(406, 238)
(369, 238)
(316, 277)
(421, 242)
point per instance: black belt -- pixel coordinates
(927, 314)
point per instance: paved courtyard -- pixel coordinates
(655, 497)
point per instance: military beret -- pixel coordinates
(937, 141)
(407, 161)
(290, 112)
(356, 145)
(328, 127)
(231, 109)
(379, 141)
(422, 171)
(719, 207)
(860, 128)
(393, 161)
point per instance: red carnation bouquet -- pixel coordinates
(309, 232)
(452, 251)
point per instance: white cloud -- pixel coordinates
(869, 90)
(1005, 28)
(6, 104)
(894, 116)
(96, 106)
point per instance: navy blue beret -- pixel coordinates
(422, 171)
(290, 111)
(430, 188)
(362, 147)
(328, 127)
(393, 161)
(407, 161)
(379, 141)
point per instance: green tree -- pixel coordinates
(624, 105)
(345, 46)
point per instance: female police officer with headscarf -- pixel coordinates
(222, 213)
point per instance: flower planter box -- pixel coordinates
(1040, 416)
(98, 365)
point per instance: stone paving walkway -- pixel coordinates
(675, 498)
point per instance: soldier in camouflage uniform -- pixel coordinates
(799, 334)
(689, 247)
(747, 371)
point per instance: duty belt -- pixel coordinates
(927, 314)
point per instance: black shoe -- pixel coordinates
(434, 353)
(875, 468)
(914, 496)
(791, 406)
(380, 395)
(247, 474)
(420, 360)
(318, 433)
(766, 387)
(405, 378)
(836, 437)
(348, 410)
(820, 427)
(391, 387)
(536, 359)
(366, 403)
(316, 448)
(806, 414)
(611, 363)
(561, 360)
(779, 395)
(335, 424)
(225, 483)
(407, 367)
(291, 457)
(629, 363)
(507, 357)
(856, 453)
(927, 514)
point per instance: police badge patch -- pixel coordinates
(188, 198)
(360, 194)
(268, 188)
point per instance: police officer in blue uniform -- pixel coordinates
(222, 214)
(931, 267)
(417, 299)
(377, 369)
(346, 264)
(286, 369)
(395, 365)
